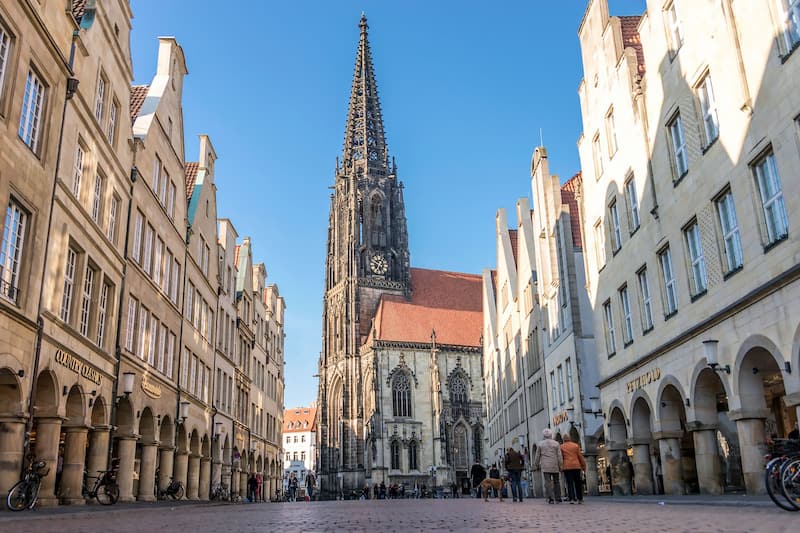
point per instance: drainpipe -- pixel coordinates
(72, 87)
(180, 348)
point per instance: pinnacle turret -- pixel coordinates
(365, 150)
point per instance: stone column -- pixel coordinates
(73, 465)
(753, 448)
(205, 478)
(243, 484)
(48, 434)
(147, 472)
(181, 470)
(165, 461)
(234, 486)
(620, 469)
(642, 469)
(97, 456)
(216, 471)
(126, 449)
(592, 483)
(12, 440)
(193, 479)
(225, 477)
(707, 461)
(669, 443)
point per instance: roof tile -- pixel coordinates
(300, 419)
(138, 94)
(568, 196)
(191, 176)
(630, 37)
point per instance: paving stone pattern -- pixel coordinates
(412, 515)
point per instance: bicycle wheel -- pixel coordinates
(178, 494)
(107, 494)
(772, 478)
(17, 499)
(790, 482)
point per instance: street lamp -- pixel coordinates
(595, 408)
(711, 347)
(217, 430)
(127, 384)
(184, 412)
(571, 417)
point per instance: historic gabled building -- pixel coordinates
(400, 393)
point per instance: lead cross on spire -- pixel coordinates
(365, 151)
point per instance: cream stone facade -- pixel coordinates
(115, 371)
(689, 146)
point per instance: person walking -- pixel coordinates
(515, 465)
(550, 461)
(494, 473)
(292, 488)
(310, 482)
(478, 474)
(574, 464)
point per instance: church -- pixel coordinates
(401, 395)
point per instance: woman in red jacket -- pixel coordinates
(574, 463)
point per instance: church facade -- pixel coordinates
(401, 396)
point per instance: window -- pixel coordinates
(171, 200)
(176, 275)
(156, 174)
(627, 321)
(152, 341)
(158, 255)
(86, 300)
(668, 276)
(99, 97)
(147, 256)
(395, 455)
(633, 205)
(790, 11)
(647, 301)
(102, 309)
(769, 189)
(611, 134)
(131, 323)
(401, 395)
(553, 398)
(206, 255)
(698, 264)
(611, 345)
(30, 120)
(112, 121)
(112, 219)
(97, 197)
(162, 348)
(560, 384)
(69, 283)
(458, 390)
(600, 244)
(730, 231)
(5, 46)
(674, 30)
(616, 232)
(11, 251)
(570, 386)
(597, 156)
(162, 194)
(77, 173)
(412, 456)
(137, 236)
(193, 375)
(170, 353)
(708, 107)
(678, 140)
(144, 320)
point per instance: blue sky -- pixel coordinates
(465, 87)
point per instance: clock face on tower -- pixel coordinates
(378, 264)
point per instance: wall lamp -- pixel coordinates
(127, 384)
(217, 430)
(571, 417)
(184, 412)
(711, 347)
(595, 408)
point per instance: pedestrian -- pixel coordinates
(375, 491)
(515, 465)
(310, 482)
(292, 488)
(383, 491)
(259, 487)
(403, 490)
(550, 461)
(478, 474)
(574, 464)
(252, 484)
(494, 473)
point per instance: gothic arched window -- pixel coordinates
(458, 390)
(460, 446)
(395, 455)
(477, 439)
(401, 395)
(412, 456)
(376, 221)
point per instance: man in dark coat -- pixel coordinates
(515, 465)
(478, 474)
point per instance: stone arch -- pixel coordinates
(706, 386)
(75, 410)
(99, 412)
(641, 415)
(402, 367)
(46, 394)
(700, 368)
(259, 464)
(617, 425)
(402, 398)
(753, 342)
(459, 385)
(226, 451)
(205, 446)
(671, 412)
(194, 442)
(10, 394)
(243, 461)
(125, 421)
(182, 441)
(166, 432)
(147, 426)
(574, 435)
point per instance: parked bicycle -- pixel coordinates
(25, 493)
(219, 492)
(173, 490)
(105, 489)
(782, 474)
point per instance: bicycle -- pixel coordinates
(782, 474)
(174, 490)
(219, 492)
(105, 489)
(25, 492)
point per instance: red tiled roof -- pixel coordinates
(512, 234)
(138, 94)
(568, 191)
(191, 176)
(236, 250)
(630, 37)
(449, 303)
(299, 419)
(78, 8)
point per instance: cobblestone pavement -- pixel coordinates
(410, 515)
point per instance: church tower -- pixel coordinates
(367, 256)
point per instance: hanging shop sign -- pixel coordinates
(151, 389)
(78, 365)
(642, 380)
(559, 418)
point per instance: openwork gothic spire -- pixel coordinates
(364, 140)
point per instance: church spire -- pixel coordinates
(365, 150)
